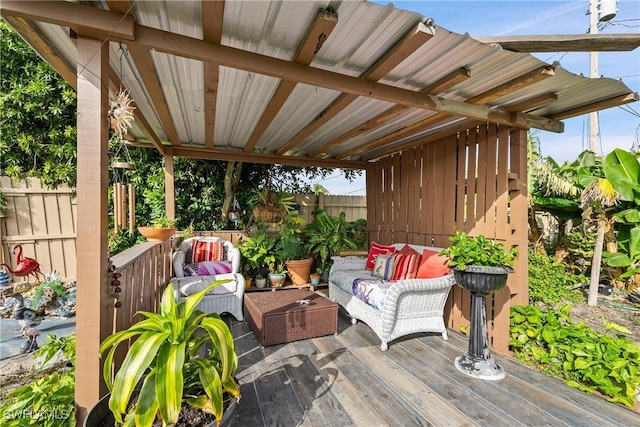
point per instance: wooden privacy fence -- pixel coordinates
(44, 222)
(474, 181)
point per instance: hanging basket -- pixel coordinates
(123, 165)
(269, 213)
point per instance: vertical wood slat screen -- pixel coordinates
(43, 222)
(474, 181)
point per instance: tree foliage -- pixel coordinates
(37, 116)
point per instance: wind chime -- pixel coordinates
(124, 195)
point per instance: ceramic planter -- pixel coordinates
(153, 234)
(261, 282)
(315, 279)
(299, 270)
(277, 279)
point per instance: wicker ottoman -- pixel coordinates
(278, 317)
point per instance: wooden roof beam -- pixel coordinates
(415, 38)
(566, 42)
(513, 85)
(467, 124)
(241, 156)
(320, 30)
(84, 20)
(531, 103)
(139, 118)
(494, 93)
(146, 69)
(33, 36)
(212, 17)
(189, 47)
(597, 106)
(439, 86)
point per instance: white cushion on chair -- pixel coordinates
(193, 284)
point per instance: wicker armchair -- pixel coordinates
(224, 298)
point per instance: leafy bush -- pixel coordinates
(588, 360)
(551, 282)
(49, 400)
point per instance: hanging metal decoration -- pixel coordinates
(120, 118)
(234, 213)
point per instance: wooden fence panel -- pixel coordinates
(43, 222)
(476, 182)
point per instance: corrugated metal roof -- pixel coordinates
(364, 34)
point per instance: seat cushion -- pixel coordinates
(193, 284)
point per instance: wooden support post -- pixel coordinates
(169, 192)
(519, 283)
(91, 243)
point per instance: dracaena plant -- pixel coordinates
(165, 366)
(480, 251)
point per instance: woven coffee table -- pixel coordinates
(281, 317)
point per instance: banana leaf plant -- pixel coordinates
(167, 365)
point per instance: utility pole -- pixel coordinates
(594, 124)
(599, 11)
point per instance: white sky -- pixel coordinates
(618, 127)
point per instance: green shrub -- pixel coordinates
(551, 282)
(588, 360)
(48, 400)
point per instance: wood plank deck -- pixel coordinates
(345, 380)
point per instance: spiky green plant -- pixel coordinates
(165, 367)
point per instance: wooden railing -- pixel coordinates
(140, 276)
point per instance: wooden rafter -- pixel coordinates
(87, 21)
(415, 38)
(139, 118)
(596, 106)
(438, 135)
(489, 95)
(34, 37)
(531, 103)
(436, 88)
(190, 47)
(146, 69)
(212, 17)
(180, 45)
(318, 33)
(566, 42)
(241, 156)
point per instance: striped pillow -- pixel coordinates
(202, 250)
(406, 266)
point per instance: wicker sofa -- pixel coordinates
(226, 297)
(410, 305)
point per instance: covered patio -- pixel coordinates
(344, 380)
(437, 119)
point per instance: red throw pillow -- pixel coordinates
(408, 250)
(202, 250)
(432, 265)
(375, 250)
(406, 266)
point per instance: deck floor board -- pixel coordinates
(346, 380)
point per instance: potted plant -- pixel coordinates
(168, 364)
(261, 281)
(481, 266)
(292, 251)
(159, 230)
(259, 252)
(270, 206)
(327, 236)
(277, 275)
